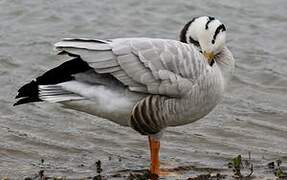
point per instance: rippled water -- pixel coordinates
(252, 117)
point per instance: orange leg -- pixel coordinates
(154, 145)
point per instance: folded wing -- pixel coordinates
(153, 66)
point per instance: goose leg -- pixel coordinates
(154, 145)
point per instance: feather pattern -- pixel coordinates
(175, 83)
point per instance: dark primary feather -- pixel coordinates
(30, 91)
(75, 69)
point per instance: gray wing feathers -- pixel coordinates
(128, 81)
(153, 66)
(176, 57)
(174, 65)
(102, 59)
(91, 77)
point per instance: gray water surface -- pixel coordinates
(252, 118)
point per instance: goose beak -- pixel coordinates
(209, 56)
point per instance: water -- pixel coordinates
(252, 118)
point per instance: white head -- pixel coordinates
(207, 33)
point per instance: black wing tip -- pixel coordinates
(18, 96)
(29, 89)
(27, 100)
(64, 72)
(28, 93)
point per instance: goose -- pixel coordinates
(147, 84)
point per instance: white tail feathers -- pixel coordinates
(55, 93)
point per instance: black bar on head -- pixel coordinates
(217, 31)
(184, 30)
(209, 21)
